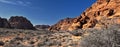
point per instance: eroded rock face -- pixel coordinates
(20, 22)
(4, 23)
(90, 17)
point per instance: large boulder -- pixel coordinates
(90, 17)
(4, 23)
(20, 22)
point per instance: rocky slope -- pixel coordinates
(20, 22)
(90, 17)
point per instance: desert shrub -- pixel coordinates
(18, 38)
(98, 39)
(101, 38)
(1, 43)
(78, 32)
(32, 42)
(40, 44)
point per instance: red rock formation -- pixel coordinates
(20, 22)
(90, 17)
(62, 24)
(4, 23)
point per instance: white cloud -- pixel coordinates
(22, 3)
(6, 1)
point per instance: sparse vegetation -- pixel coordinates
(38, 38)
(102, 38)
(105, 37)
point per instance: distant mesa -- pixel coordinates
(91, 16)
(41, 26)
(20, 22)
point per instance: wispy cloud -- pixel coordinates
(22, 3)
(8, 2)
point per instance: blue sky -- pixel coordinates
(43, 11)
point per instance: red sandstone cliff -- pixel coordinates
(91, 16)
